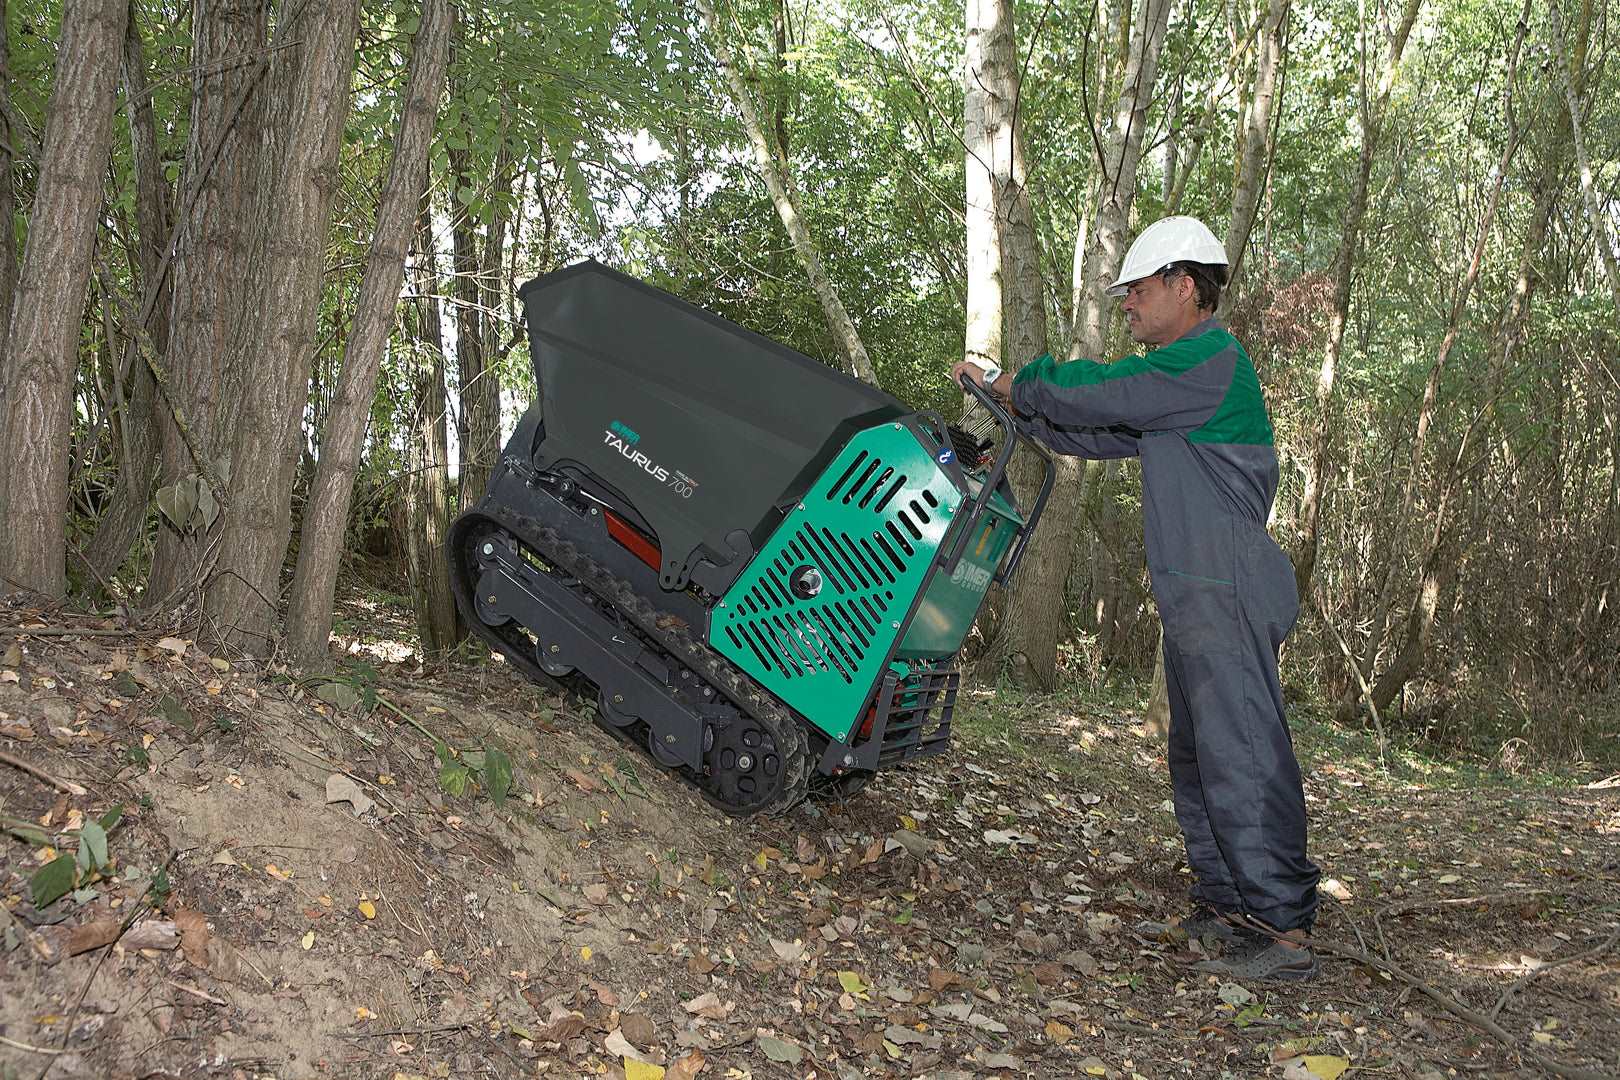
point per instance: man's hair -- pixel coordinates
(1207, 278)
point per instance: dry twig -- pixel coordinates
(1524, 980)
(1455, 1008)
(40, 774)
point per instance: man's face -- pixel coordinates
(1155, 308)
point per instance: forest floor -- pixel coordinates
(971, 916)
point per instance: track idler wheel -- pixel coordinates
(746, 768)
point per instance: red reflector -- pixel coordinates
(866, 724)
(631, 537)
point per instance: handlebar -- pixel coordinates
(998, 471)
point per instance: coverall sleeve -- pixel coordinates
(1176, 388)
(1094, 443)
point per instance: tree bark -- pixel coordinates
(1319, 469)
(42, 339)
(126, 509)
(211, 266)
(1254, 139)
(1188, 159)
(320, 550)
(270, 368)
(984, 263)
(8, 204)
(427, 485)
(1595, 215)
(478, 389)
(785, 196)
(1117, 167)
(1005, 255)
(1104, 237)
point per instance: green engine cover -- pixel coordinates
(871, 525)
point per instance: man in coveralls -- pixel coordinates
(1192, 410)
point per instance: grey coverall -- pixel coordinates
(1193, 412)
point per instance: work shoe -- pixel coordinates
(1203, 924)
(1257, 957)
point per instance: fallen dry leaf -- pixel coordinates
(194, 935)
(564, 1025)
(708, 1005)
(174, 645)
(21, 730)
(685, 1068)
(619, 1046)
(639, 1029)
(92, 935)
(367, 908)
(340, 788)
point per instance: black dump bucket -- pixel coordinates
(703, 427)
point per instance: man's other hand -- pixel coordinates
(1001, 387)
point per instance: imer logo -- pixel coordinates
(623, 438)
(970, 577)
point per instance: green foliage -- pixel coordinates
(489, 768)
(62, 874)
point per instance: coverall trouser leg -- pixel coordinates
(1237, 788)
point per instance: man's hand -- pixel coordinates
(1001, 387)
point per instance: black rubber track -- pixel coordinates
(674, 637)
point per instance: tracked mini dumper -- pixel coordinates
(763, 568)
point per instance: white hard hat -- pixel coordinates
(1168, 240)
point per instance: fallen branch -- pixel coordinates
(399, 1031)
(71, 631)
(1455, 1008)
(30, 1049)
(1408, 906)
(1528, 977)
(40, 774)
(194, 992)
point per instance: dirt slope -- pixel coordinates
(971, 917)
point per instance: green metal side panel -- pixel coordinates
(952, 602)
(872, 524)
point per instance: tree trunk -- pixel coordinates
(8, 204)
(42, 339)
(211, 267)
(270, 369)
(1318, 472)
(784, 194)
(1116, 189)
(1121, 154)
(131, 498)
(1176, 187)
(1596, 217)
(320, 550)
(1254, 139)
(1011, 292)
(427, 484)
(478, 390)
(987, 20)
